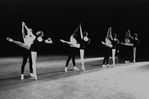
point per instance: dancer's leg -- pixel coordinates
(113, 56)
(30, 64)
(25, 56)
(73, 58)
(34, 57)
(107, 56)
(21, 44)
(134, 54)
(68, 59)
(82, 58)
(18, 43)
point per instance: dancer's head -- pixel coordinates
(114, 35)
(39, 34)
(135, 35)
(85, 33)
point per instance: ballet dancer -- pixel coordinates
(83, 43)
(135, 42)
(28, 39)
(114, 41)
(128, 45)
(73, 45)
(108, 47)
(39, 40)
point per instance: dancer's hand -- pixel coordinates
(49, 40)
(80, 24)
(23, 23)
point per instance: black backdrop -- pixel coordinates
(59, 18)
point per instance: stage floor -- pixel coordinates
(125, 81)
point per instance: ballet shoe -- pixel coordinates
(104, 66)
(22, 77)
(75, 68)
(9, 39)
(65, 69)
(83, 69)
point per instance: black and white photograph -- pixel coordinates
(74, 49)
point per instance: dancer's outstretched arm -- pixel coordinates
(49, 40)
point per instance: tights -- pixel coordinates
(27, 54)
(71, 55)
(107, 55)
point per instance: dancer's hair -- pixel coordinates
(135, 35)
(40, 34)
(85, 33)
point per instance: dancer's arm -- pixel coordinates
(26, 27)
(81, 31)
(110, 33)
(130, 34)
(23, 32)
(49, 40)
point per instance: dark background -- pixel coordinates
(59, 18)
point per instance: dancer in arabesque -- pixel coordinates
(73, 46)
(34, 47)
(108, 46)
(128, 46)
(28, 39)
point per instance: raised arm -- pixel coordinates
(77, 28)
(23, 32)
(130, 34)
(110, 33)
(26, 27)
(81, 31)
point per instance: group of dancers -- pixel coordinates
(33, 42)
(78, 40)
(111, 43)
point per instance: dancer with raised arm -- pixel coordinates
(39, 40)
(135, 42)
(73, 45)
(108, 47)
(114, 41)
(34, 47)
(128, 45)
(83, 43)
(28, 39)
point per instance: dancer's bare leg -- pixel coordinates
(113, 56)
(18, 43)
(82, 58)
(34, 57)
(134, 54)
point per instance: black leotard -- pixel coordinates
(36, 45)
(84, 43)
